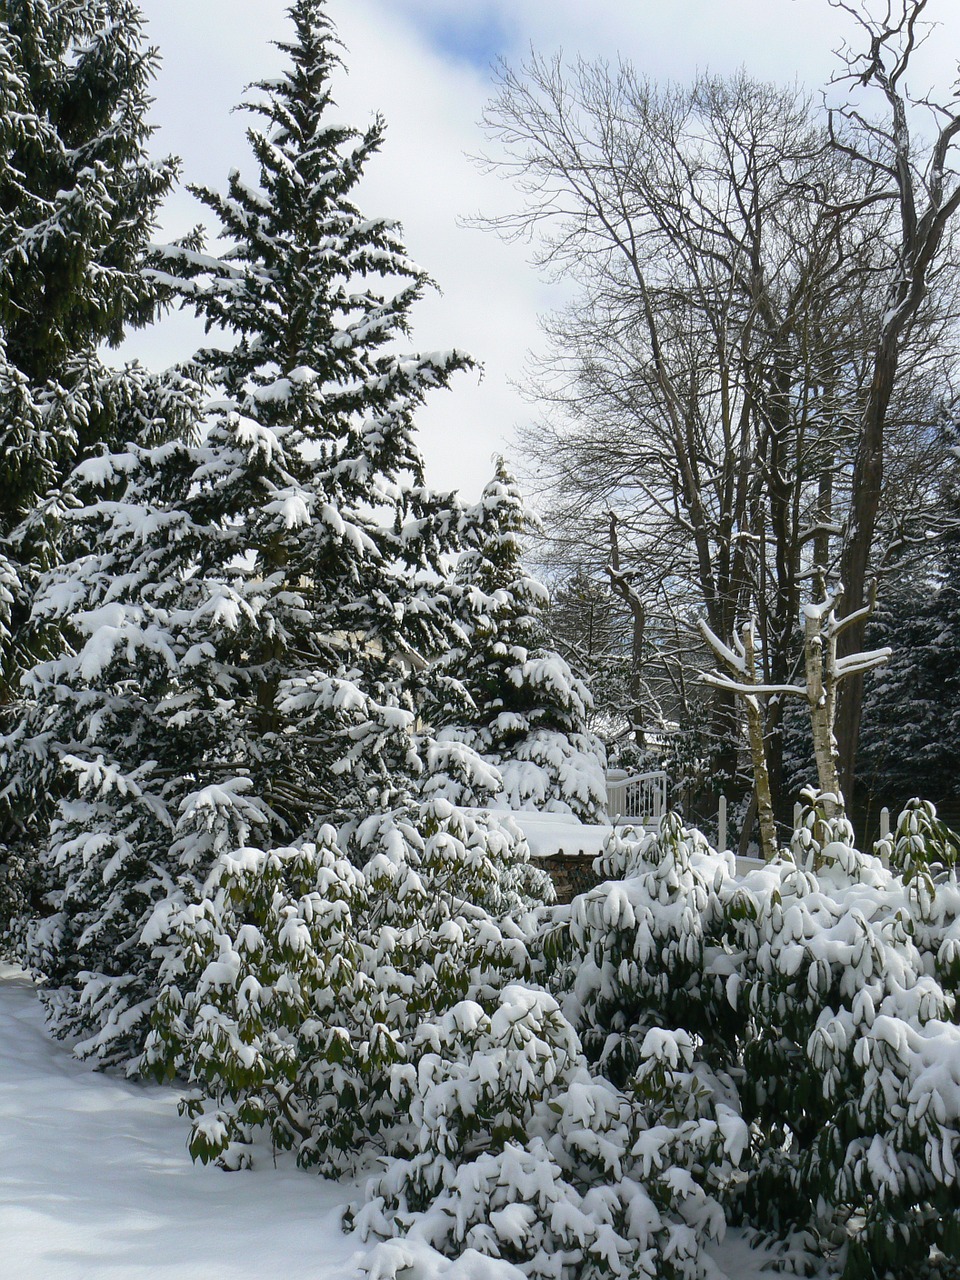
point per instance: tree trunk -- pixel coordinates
(639, 615)
(773, 738)
(758, 754)
(854, 564)
(821, 702)
(621, 586)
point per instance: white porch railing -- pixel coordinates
(641, 798)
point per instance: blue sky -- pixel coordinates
(477, 35)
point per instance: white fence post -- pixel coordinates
(884, 823)
(722, 825)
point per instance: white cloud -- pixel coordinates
(212, 48)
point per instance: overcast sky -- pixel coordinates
(426, 65)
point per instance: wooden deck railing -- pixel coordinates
(641, 798)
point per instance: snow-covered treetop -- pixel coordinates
(508, 696)
(491, 567)
(315, 294)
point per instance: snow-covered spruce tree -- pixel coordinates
(142, 406)
(78, 199)
(316, 297)
(246, 632)
(79, 191)
(509, 697)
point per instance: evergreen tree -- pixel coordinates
(77, 189)
(512, 699)
(350, 542)
(910, 740)
(78, 201)
(243, 608)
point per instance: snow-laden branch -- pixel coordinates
(857, 663)
(762, 690)
(736, 661)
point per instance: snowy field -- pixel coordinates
(95, 1182)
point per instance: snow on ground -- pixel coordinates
(95, 1179)
(96, 1182)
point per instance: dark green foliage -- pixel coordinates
(78, 193)
(304, 983)
(821, 993)
(910, 741)
(644, 958)
(78, 202)
(503, 691)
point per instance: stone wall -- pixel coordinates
(571, 873)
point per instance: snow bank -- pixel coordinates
(551, 833)
(95, 1179)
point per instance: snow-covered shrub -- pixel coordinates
(818, 998)
(851, 1056)
(567, 1176)
(782, 1046)
(472, 1084)
(303, 985)
(349, 995)
(646, 948)
(259, 964)
(593, 1176)
(924, 851)
(921, 843)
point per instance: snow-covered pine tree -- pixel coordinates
(509, 697)
(78, 201)
(244, 610)
(80, 192)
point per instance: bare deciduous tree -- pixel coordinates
(918, 178)
(709, 384)
(824, 674)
